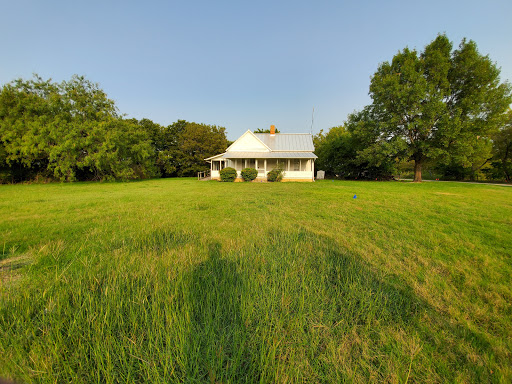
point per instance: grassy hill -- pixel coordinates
(176, 280)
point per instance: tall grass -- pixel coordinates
(184, 281)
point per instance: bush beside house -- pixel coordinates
(249, 174)
(275, 175)
(228, 174)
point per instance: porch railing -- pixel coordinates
(203, 175)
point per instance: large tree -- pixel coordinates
(502, 142)
(196, 142)
(68, 131)
(438, 102)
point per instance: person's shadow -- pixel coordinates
(217, 340)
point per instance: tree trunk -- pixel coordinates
(417, 170)
(504, 162)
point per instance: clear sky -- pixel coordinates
(238, 64)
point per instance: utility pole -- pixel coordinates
(312, 119)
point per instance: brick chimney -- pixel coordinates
(272, 129)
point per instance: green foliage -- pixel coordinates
(261, 130)
(196, 142)
(437, 102)
(354, 151)
(228, 174)
(67, 131)
(275, 175)
(249, 174)
(474, 166)
(180, 148)
(502, 141)
(72, 130)
(333, 154)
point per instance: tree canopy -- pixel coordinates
(67, 131)
(348, 151)
(261, 130)
(72, 131)
(502, 146)
(439, 104)
(191, 144)
(442, 107)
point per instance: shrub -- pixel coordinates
(275, 175)
(249, 174)
(5, 177)
(228, 174)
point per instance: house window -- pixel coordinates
(296, 165)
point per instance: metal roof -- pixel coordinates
(287, 141)
(214, 157)
(269, 155)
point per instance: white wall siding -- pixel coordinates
(293, 153)
(298, 175)
(248, 143)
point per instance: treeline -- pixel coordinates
(72, 131)
(442, 110)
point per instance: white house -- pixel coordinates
(292, 152)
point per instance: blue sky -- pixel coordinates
(238, 64)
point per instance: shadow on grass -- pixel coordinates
(368, 297)
(226, 344)
(295, 307)
(349, 294)
(157, 240)
(217, 339)
(361, 297)
(354, 291)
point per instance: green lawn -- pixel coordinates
(176, 280)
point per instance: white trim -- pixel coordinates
(253, 135)
(214, 157)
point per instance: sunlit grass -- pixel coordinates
(186, 281)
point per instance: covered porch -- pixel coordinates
(216, 164)
(297, 166)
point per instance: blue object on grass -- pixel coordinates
(355, 196)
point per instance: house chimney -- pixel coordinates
(272, 129)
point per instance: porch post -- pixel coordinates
(256, 163)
